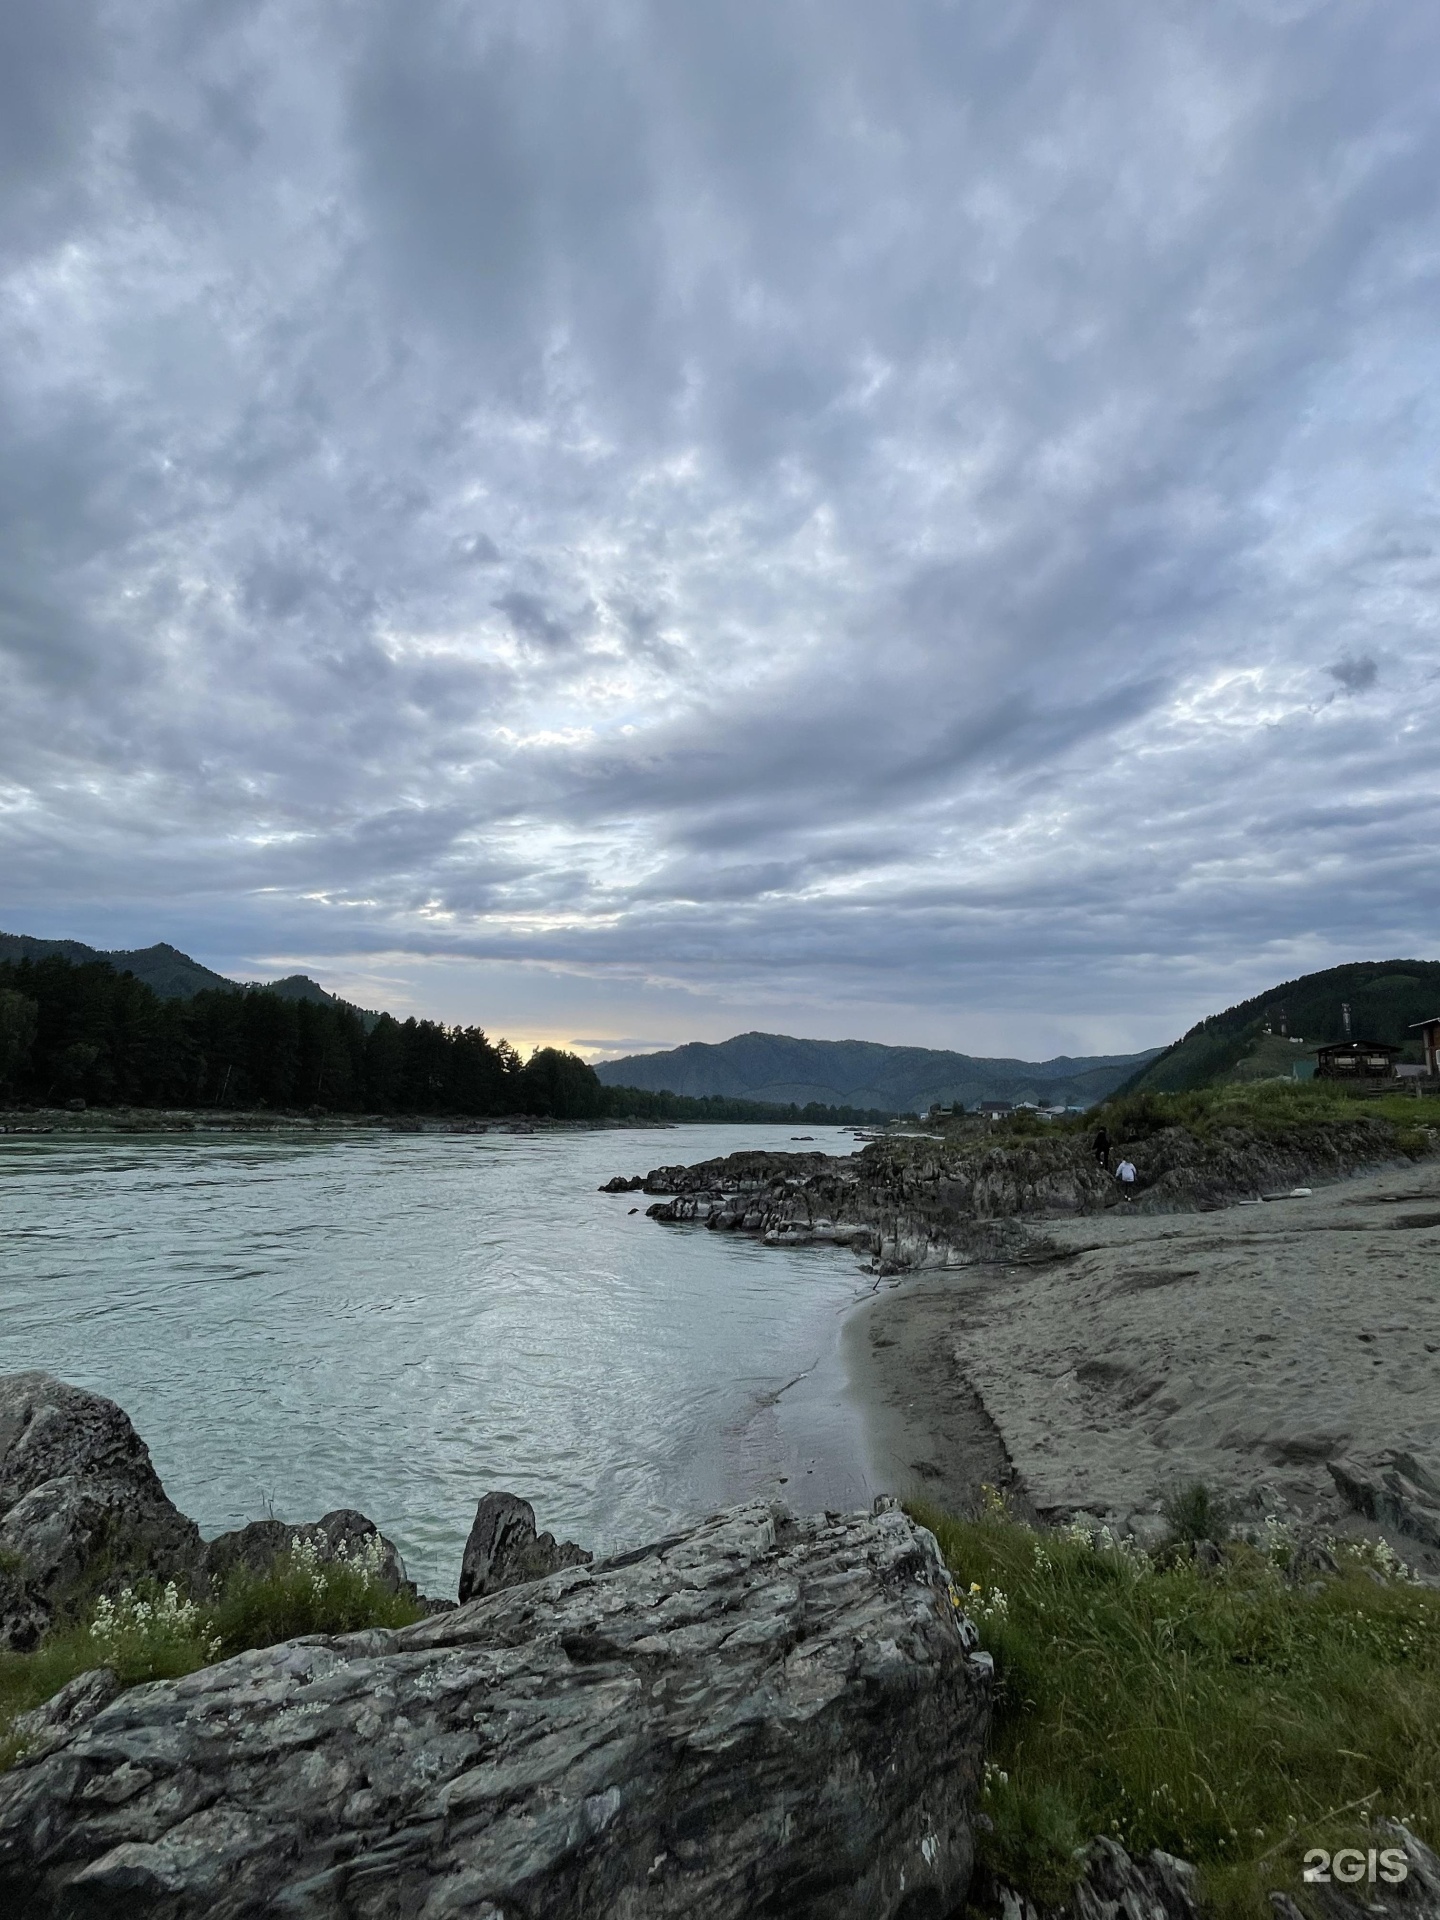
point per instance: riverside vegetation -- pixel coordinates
(150, 1631)
(1234, 1706)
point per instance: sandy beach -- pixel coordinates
(1246, 1347)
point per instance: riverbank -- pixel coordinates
(1287, 1354)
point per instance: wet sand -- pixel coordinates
(1245, 1347)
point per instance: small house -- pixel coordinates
(1356, 1060)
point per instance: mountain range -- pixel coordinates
(163, 968)
(863, 1073)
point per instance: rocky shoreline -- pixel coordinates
(766, 1713)
(916, 1201)
(1090, 1355)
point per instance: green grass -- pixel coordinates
(1268, 1105)
(153, 1633)
(1220, 1715)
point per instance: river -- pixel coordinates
(401, 1322)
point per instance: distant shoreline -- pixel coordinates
(19, 1122)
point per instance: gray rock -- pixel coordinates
(1114, 1885)
(49, 1724)
(82, 1510)
(767, 1715)
(1149, 1531)
(260, 1544)
(1387, 1495)
(504, 1549)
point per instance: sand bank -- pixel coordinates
(1245, 1347)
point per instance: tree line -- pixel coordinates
(72, 1033)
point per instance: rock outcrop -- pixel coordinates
(919, 1201)
(765, 1715)
(1397, 1491)
(82, 1512)
(1113, 1885)
(258, 1545)
(81, 1507)
(504, 1550)
(1116, 1885)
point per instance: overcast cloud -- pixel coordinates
(630, 521)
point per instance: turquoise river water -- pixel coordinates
(400, 1322)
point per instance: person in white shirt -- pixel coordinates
(1125, 1174)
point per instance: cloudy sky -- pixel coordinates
(631, 521)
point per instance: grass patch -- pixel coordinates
(153, 1633)
(1219, 1714)
(1194, 1514)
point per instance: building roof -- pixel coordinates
(1416, 1025)
(1357, 1046)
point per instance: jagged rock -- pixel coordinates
(619, 1184)
(1390, 1496)
(1116, 1885)
(51, 1723)
(504, 1549)
(766, 1715)
(260, 1544)
(82, 1510)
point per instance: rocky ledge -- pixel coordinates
(765, 1714)
(916, 1201)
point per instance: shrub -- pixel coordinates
(1194, 1514)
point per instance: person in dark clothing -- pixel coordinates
(1102, 1147)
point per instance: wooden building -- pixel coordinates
(1356, 1060)
(1429, 1032)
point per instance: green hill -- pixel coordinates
(863, 1073)
(1385, 997)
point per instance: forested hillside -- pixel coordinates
(1385, 998)
(86, 1032)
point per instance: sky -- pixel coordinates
(628, 521)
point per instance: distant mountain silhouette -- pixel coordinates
(863, 1073)
(163, 968)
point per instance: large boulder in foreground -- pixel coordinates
(81, 1506)
(767, 1715)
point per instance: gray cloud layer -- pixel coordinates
(922, 506)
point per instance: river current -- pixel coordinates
(401, 1322)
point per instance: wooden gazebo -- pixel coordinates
(1356, 1060)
